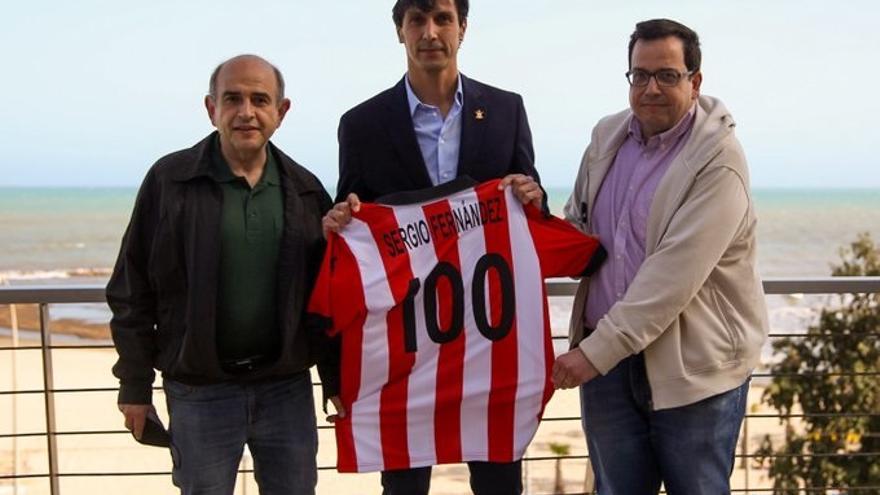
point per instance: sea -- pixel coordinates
(72, 235)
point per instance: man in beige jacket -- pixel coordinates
(664, 345)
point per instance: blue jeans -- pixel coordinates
(210, 424)
(633, 448)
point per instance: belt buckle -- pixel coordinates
(245, 364)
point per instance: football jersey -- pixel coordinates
(439, 299)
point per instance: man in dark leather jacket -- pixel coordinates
(210, 285)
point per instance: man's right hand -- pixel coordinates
(340, 215)
(573, 369)
(135, 417)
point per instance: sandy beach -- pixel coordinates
(118, 453)
(28, 316)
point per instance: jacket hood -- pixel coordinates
(712, 124)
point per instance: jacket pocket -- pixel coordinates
(726, 313)
(170, 329)
(705, 337)
(165, 267)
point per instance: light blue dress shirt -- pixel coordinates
(439, 138)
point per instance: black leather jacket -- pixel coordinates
(163, 291)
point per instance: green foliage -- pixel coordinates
(846, 340)
(559, 448)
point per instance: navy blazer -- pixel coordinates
(379, 153)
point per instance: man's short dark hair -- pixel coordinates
(401, 6)
(656, 29)
(279, 79)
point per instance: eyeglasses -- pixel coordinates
(664, 77)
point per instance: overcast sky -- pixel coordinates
(95, 91)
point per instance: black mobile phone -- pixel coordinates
(155, 433)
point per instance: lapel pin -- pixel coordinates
(479, 114)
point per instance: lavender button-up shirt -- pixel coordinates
(620, 215)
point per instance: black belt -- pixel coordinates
(245, 364)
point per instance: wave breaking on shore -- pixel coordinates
(23, 275)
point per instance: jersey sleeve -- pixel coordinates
(336, 301)
(563, 250)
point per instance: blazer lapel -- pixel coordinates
(474, 115)
(403, 137)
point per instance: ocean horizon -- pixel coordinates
(53, 233)
(51, 236)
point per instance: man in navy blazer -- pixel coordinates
(431, 127)
(382, 141)
(379, 152)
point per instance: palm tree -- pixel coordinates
(559, 449)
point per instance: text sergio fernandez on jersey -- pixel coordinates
(443, 225)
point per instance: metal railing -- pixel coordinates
(43, 296)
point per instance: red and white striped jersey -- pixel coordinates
(440, 302)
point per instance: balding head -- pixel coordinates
(246, 105)
(246, 58)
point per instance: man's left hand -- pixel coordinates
(572, 369)
(340, 410)
(526, 189)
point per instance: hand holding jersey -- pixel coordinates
(573, 368)
(340, 215)
(526, 189)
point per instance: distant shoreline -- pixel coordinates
(29, 320)
(53, 274)
(557, 194)
(557, 187)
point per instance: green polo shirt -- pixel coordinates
(250, 234)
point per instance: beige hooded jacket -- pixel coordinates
(696, 306)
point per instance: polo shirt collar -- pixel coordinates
(221, 172)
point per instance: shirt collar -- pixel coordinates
(414, 101)
(667, 136)
(221, 172)
(270, 174)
